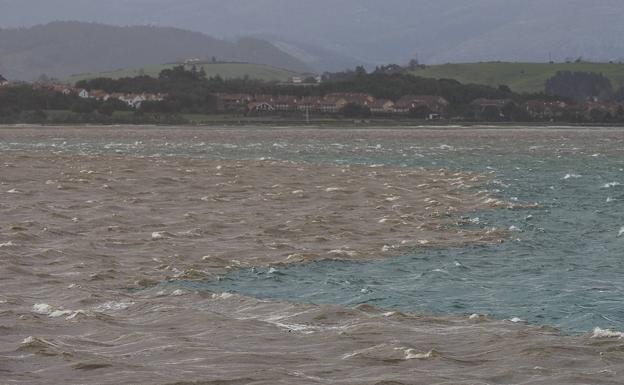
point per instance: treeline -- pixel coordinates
(190, 91)
(24, 104)
(581, 86)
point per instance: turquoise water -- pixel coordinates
(564, 267)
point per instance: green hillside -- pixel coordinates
(225, 70)
(520, 77)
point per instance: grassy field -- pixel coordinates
(520, 77)
(225, 70)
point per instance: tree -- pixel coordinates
(360, 71)
(83, 106)
(106, 109)
(579, 86)
(420, 112)
(353, 110)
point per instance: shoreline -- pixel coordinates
(331, 126)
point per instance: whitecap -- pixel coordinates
(607, 333)
(158, 235)
(343, 253)
(411, 354)
(7, 244)
(572, 176)
(113, 305)
(514, 229)
(42, 308)
(223, 296)
(14, 191)
(621, 232)
(611, 184)
(516, 320)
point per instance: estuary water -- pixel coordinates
(562, 265)
(263, 256)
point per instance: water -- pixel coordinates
(562, 265)
(111, 240)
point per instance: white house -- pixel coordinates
(3, 81)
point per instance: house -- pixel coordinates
(285, 103)
(63, 89)
(84, 94)
(260, 107)
(359, 99)
(382, 106)
(3, 81)
(99, 95)
(135, 101)
(310, 104)
(489, 109)
(545, 110)
(233, 102)
(434, 104)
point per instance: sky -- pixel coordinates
(370, 31)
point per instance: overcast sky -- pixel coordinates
(371, 30)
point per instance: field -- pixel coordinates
(520, 77)
(225, 70)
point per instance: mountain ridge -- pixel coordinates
(60, 49)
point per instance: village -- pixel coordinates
(133, 100)
(424, 107)
(429, 107)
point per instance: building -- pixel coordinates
(233, 102)
(63, 89)
(3, 81)
(489, 108)
(382, 106)
(545, 110)
(99, 95)
(286, 103)
(259, 107)
(434, 104)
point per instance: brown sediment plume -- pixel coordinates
(191, 218)
(81, 233)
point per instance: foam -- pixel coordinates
(572, 176)
(411, 354)
(158, 235)
(113, 305)
(607, 333)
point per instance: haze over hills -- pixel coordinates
(370, 31)
(61, 49)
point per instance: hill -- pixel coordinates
(225, 70)
(520, 77)
(61, 49)
(391, 31)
